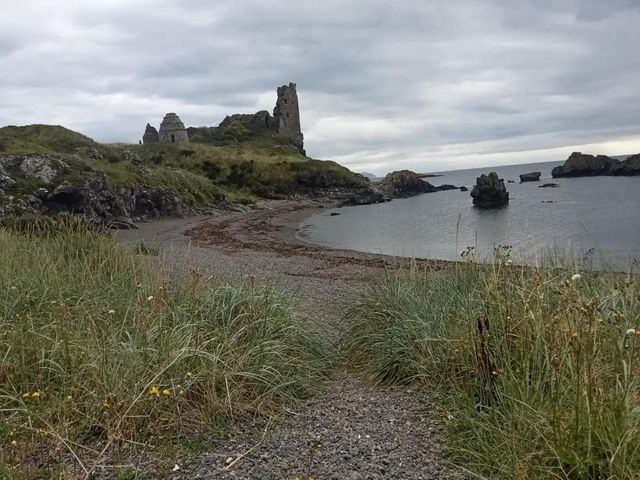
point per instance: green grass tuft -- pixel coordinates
(98, 350)
(542, 372)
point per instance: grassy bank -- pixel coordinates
(540, 367)
(99, 352)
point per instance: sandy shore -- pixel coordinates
(350, 429)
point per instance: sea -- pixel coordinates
(591, 222)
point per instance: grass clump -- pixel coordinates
(98, 352)
(541, 367)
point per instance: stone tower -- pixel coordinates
(150, 135)
(172, 130)
(287, 114)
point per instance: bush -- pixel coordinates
(542, 366)
(95, 348)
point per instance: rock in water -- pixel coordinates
(489, 192)
(583, 165)
(548, 185)
(404, 183)
(530, 177)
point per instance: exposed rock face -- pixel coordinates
(287, 114)
(403, 183)
(36, 167)
(95, 199)
(172, 130)
(583, 165)
(151, 135)
(530, 177)
(489, 192)
(628, 167)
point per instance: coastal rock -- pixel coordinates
(404, 183)
(530, 177)
(464, 189)
(548, 185)
(489, 192)
(583, 165)
(628, 167)
(446, 186)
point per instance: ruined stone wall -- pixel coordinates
(150, 135)
(287, 114)
(172, 130)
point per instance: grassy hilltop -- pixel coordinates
(235, 165)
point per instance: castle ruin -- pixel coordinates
(172, 130)
(286, 114)
(285, 122)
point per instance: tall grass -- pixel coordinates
(96, 349)
(541, 367)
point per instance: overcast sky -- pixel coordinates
(427, 85)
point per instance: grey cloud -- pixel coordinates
(422, 79)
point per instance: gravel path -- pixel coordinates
(351, 429)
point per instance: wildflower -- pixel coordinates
(111, 312)
(509, 262)
(574, 334)
(176, 467)
(26, 395)
(14, 443)
(149, 298)
(181, 392)
(494, 373)
(575, 277)
(189, 374)
(35, 395)
(631, 331)
(105, 405)
(69, 398)
(154, 391)
(166, 392)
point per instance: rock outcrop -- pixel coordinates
(584, 165)
(94, 198)
(530, 177)
(548, 185)
(489, 192)
(403, 183)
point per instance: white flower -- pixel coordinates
(14, 288)
(175, 468)
(149, 298)
(509, 262)
(630, 331)
(111, 312)
(575, 276)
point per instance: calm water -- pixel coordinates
(589, 219)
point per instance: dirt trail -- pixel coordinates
(351, 429)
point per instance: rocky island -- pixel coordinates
(489, 192)
(583, 165)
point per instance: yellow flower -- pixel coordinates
(181, 392)
(166, 392)
(154, 391)
(12, 433)
(35, 395)
(149, 298)
(69, 398)
(14, 443)
(189, 374)
(105, 404)
(574, 334)
(26, 395)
